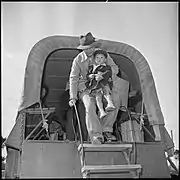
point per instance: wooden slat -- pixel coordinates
(30, 125)
(52, 103)
(38, 110)
(112, 168)
(130, 131)
(105, 147)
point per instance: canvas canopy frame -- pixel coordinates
(42, 49)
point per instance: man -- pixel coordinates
(77, 89)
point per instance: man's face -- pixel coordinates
(43, 92)
(89, 51)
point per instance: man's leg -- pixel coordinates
(93, 124)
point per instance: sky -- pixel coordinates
(151, 28)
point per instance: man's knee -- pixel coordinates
(89, 104)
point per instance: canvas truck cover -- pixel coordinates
(34, 73)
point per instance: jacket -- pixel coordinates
(93, 84)
(79, 70)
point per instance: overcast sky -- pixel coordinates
(149, 27)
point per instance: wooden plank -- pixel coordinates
(130, 131)
(30, 125)
(119, 175)
(38, 110)
(115, 168)
(105, 147)
(49, 159)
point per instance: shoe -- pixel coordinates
(97, 140)
(110, 107)
(109, 137)
(123, 109)
(103, 114)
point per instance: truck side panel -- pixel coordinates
(49, 159)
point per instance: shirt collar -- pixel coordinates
(104, 64)
(84, 57)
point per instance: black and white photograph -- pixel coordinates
(89, 89)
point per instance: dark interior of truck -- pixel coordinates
(55, 78)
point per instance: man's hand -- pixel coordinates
(132, 93)
(91, 76)
(72, 102)
(45, 125)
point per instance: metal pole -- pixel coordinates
(171, 134)
(172, 140)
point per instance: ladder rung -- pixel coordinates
(105, 147)
(112, 168)
(38, 110)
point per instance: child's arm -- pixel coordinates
(90, 75)
(108, 73)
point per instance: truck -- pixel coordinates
(142, 139)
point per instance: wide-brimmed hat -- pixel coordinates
(88, 41)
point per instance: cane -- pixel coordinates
(79, 126)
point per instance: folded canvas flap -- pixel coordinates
(120, 92)
(12, 163)
(166, 140)
(15, 137)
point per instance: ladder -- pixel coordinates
(99, 161)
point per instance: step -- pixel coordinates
(104, 147)
(111, 169)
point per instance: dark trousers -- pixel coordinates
(72, 128)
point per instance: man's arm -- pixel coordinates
(73, 79)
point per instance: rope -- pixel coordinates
(140, 123)
(172, 164)
(141, 117)
(145, 129)
(45, 125)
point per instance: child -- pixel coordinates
(103, 86)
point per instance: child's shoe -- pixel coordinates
(110, 107)
(103, 114)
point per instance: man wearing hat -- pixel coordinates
(77, 89)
